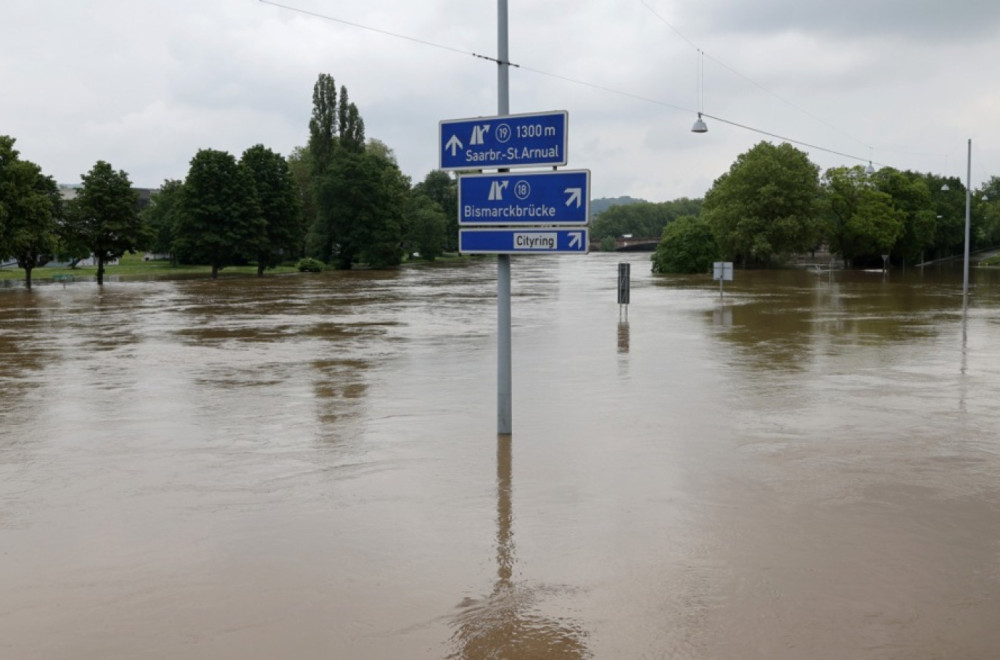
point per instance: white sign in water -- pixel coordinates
(722, 271)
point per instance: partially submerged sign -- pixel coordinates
(722, 271)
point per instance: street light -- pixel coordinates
(699, 125)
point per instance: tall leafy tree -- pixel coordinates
(440, 187)
(948, 200)
(104, 216)
(912, 199)
(426, 227)
(323, 126)
(987, 227)
(352, 127)
(362, 202)
(861, 220)
(279, 205)
(766, 205)
(161, 216)
(301, 168)
(220, 223)
(29, 209)
(336, 138)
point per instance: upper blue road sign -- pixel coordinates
(525, 140)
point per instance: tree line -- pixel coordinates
(341, 200)
(773, 204)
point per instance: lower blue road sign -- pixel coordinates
(524, 198)
(514, 240)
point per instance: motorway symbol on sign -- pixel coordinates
(536, 198)
(531, 240)
(498, 142)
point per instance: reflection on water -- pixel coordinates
(506, 623)
(623, 337)
(295, 466)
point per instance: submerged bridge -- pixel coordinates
(630, 244)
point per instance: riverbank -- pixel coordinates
(137, 267)
(132, 266)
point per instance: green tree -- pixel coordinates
(766, 206)
(443, 189)
(161, 216)
(949, 209)
(687, 246)
(641, 218)
(323, 128)
(352, 127)
(861, 220)
(336, 137)
(301, 168)
(29, 209)
(104, 216)
(426, 227)
(362, 202)
(911, 197)
(987, 214)
(279, 206)
(220, 223)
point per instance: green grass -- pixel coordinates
(135, 267)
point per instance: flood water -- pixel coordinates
(308, 467)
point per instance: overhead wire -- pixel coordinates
(604, 88)
(702, 54)
(387, 33)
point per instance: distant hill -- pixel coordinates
(598, 205)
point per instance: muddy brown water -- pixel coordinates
(307, 467)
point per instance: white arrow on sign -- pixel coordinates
(575, 195)
(575, 238)
(454, 144)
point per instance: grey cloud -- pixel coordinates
(917, 19)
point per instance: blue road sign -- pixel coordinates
(524, 198)
(529, 240)
(509, 141)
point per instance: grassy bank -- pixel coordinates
(134, 267)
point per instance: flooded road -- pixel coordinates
(307, 467)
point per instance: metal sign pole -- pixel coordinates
(504, 380)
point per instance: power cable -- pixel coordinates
(702, 54)
(584, 83)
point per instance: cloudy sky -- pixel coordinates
(144, 84)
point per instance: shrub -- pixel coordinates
(310, 265)
(687, 246)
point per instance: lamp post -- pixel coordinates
(699, 125)
(968, 218)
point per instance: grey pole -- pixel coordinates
(968, 216)
(504, 413)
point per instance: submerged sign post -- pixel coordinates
(506, 213)
(723, 272)
(526, 140)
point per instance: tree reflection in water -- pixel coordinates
(505, 624)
